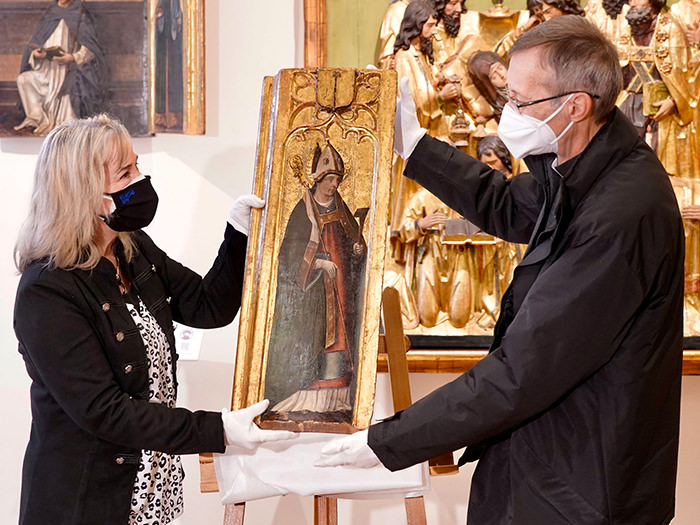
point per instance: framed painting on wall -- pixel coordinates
(70, 58)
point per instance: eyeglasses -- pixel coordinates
(519, 105)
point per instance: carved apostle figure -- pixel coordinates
(540, 11)
(391, 24)
(414, 59)
(657, 99)
(488, 71)
(431, 266)
(686, 14)
(454, 42)
(608, 16)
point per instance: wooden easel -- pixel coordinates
(395, 345)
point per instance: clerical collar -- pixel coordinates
(565, 169)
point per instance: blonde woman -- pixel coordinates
(94, 318)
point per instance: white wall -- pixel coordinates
(197, 179)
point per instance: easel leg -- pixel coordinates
(398, 370)
(325, 510)
(234, 514)
(415, 511)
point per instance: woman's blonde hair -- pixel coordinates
(69, 182)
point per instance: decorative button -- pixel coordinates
(128, 369)
(153, 267)
(168, 299)
(120, 336)
(105, 307)
(120, 460)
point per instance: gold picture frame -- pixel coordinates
(293, 344)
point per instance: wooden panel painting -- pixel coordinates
(310, 315)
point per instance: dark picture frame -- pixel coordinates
(123, 80)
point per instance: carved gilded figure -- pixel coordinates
(687, 15)
(456, 280)
(313, 347)
(498, 258)
(456, 272)
(454, 41)
(431, 265)
(555, 8)
(608, 16)
(661, 97)
(498, 21)
(391, 24)
(488, 72)
(533, 18)
(414, 59)
(657, 98)
(494, 259)
(540, 11)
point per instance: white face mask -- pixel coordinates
(524, 135)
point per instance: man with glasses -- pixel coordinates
(574, 413)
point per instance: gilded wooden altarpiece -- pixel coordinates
(317, 125)
(442, 353)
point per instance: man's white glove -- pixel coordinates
(240, 431)
(407, 130)
(352, 451)
(239, 215)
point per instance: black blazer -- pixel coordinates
(575, 411)
(90, 414)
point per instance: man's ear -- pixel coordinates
(580, 107)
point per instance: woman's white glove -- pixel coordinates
(239, 215)
(407, 130)
(240, 431)
(352, 451)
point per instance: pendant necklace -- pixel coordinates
(118, 275)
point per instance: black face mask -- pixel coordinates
(135, 206)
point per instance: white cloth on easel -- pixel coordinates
(287, 467)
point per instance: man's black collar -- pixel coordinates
(613, 142)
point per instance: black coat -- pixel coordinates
(90, 412)
(575, 411)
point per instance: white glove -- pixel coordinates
(407, 130)
(352, 451)
(240, 431)
(239, 215)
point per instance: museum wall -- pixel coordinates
(197, 178)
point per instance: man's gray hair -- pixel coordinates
(580, 58)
